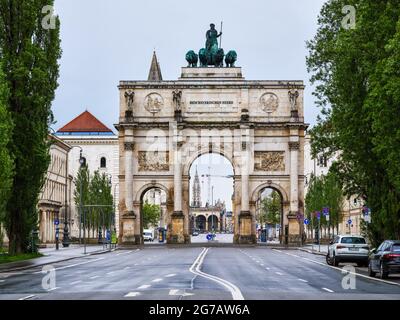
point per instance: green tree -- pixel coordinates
(81, 192)
(6, 161)
(100, 195)
(151, 214)
(356, 72)
(30, 56)
(271, 209)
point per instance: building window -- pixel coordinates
(103, 162)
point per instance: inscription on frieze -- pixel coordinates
(269, 161)
(153, 161)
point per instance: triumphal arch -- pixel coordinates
(165, 125)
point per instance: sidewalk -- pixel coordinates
(51, 255)
(315, 249)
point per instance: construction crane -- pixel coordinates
(208, 176)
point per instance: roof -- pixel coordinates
(85, 122)
(155, 70)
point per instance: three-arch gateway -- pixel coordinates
(166, 125)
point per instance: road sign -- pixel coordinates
(108, 235)
(327, 217)
(349, 221)
(56, 222)
(306, 221)
(209, 237)
(325, 211)
(318, 214)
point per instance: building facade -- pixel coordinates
(99, 147)
(55, 197)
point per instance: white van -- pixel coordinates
(148, 235)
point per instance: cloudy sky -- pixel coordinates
(105, 41)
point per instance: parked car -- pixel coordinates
(385, 259)
(347, 248)
(195, 233)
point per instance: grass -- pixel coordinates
(6, 258)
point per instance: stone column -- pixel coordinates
(176, 231)
(245, 234)
(130, 234)
(294, 229)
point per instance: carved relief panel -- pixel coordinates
(153, 161)
(269, 160)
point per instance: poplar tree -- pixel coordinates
(29, 50)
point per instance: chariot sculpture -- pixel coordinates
(212, 54)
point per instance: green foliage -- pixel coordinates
(95, 190)
(357, 73)
(271, 209)
(30, 56)
(6, 161)
(151, 214)
(325, 191)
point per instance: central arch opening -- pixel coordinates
(153, 212)
(211, 196)
(269, 216)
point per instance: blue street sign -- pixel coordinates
(56, 222)
(209, 237)
(318, 215)
(306, 221)
(325, 211)
(108, 235)
(349, 221)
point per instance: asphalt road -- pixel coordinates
(162, 273)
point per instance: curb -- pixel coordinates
(312, 252)
(55, 261)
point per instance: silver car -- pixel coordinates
(347, 248)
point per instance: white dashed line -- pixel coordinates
(157, 280)
(52, 289)
(72, 265)
(262, 264)
(27, 297)
(145, 286)
(278, 273)
(120, 254)
(111, 272)
(75, 282)
(126, 268)
(94, 277)
(132, 294)
(170, 275)
(277, 250)
(302, 280)
(326, 289)
(267, 268)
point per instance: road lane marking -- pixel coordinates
(278, 273)
(2, 280)
(276, 250)
(353, 273)
(75, 282)
(302, 280)
(71, 265)
(132, 294)
(27, 297)
(195, 269)
(176, 292)
(126, 268)
(329, 290)
(170, 275)
(157, 280)
(267, 268)
(52, 289)
(262, 264)
(136, 264)
(145, 286)
(120, 254)
(94, 277)
(111, 272)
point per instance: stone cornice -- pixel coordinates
(211, 84)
